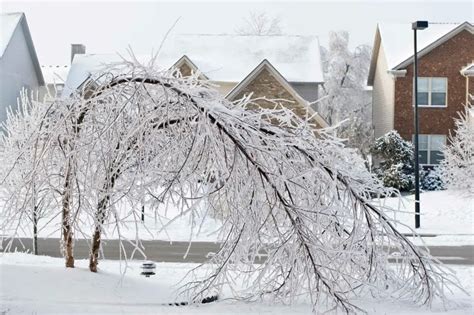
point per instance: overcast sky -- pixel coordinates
(110, 26)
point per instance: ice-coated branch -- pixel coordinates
(296, 206)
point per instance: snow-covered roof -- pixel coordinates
(55, 74)
(223, 58)
(397, 39)
(232, 57)
(8, 23)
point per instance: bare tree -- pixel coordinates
(260, 24)
(282, 188)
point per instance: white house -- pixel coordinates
(19, 66)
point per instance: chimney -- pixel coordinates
(77, 49)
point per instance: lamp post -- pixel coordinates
(418, 25)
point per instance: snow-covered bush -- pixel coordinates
(395, 156)
(458, 163)
(432, 179)
(289, 191)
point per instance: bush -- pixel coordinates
(432, 179)
(396, 161)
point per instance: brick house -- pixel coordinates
(446, 56)
(275, 67)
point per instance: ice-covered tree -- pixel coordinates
(26, 169)
(345, 96)
(395, 155)
(282, 189)
(458, 163)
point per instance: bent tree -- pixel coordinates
(282, 189)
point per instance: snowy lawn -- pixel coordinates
(447, 214)
(41, 285)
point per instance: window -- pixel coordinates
(430, 148)
(432, 92)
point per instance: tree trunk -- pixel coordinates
(67, 246)
(100, 218)
(35, 230)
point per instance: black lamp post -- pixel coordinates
(418, 25)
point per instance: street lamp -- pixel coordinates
(418, 25)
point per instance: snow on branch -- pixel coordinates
(285, 191)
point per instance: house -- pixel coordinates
(445, 70)
(19, 66)
(277, 67)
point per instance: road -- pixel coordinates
(164, 251)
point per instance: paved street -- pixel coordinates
(164, 251)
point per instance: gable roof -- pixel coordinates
(222, 58)
(229, 58)
(9, 23)
(185, 60)
(397, 42)
(265, 64)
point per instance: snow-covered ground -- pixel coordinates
(447, 214)
(41, 285)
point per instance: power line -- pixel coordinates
(445, 23)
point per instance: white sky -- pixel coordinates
(110, 26)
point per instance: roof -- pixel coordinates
(265, 64)
(9, 23)
(397, 42)
(230, 58)
(222, 58)
(55, 74)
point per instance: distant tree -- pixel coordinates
(458, 163)
(260, 24)
(25, 165)
(345, 96)
(396, 161)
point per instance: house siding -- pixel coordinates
(185, 70)
(266, 85)
(16, 72)
(224, 87)
(382, 96)
(445, 60)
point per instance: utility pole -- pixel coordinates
(418, 25)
